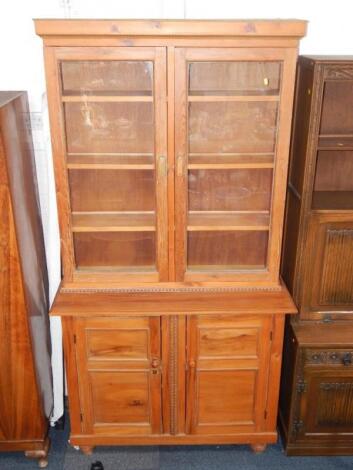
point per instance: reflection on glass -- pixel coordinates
(230, 190)
(232, 127)
(207, 78)
(109, 127)
(115, 77)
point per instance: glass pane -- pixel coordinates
(109, 121)
(232, 126)
(118, 249)
(114, 77)
(234, 78)
(230, 190)
(337, 110)
(333, 187)
(109, 127)
(112, 190)
(232, 129)
(233, 250)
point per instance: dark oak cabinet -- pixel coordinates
(317, 259)
(317, 390)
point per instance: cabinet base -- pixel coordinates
(257, 441)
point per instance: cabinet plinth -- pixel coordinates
(171, 153)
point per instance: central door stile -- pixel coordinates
(161, 149)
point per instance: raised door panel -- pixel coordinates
(232, 135)
(111, 163)
(119, 375)
(227, 373)
(329, 271)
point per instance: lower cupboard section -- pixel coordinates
(207, 378)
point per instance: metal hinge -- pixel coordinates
(301, 386)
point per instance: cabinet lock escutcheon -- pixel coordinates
(155, 365)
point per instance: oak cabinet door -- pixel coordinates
(118, 364)
(329, 272)
(227, 370)
(326, 400)
(232, 136)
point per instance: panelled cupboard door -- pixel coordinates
(111, 162)
(118, 366)
(329, 282)
(232, 115)
(227, 373)
(326, 404)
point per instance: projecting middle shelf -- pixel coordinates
(113, 222)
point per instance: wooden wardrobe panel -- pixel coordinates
(26, 398)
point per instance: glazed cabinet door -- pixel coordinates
(233, 112)
(119, 375)
(227, 372)
(111, 163)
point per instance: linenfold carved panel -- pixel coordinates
(335, 404)
(337, 277)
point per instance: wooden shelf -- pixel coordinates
(110, 161)
(228, 221)
(232, 97)
(332, 200)
(113, 222)
(117, 269)
(225, 161)
(335, 142)
(109, 96)
(224, 268)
